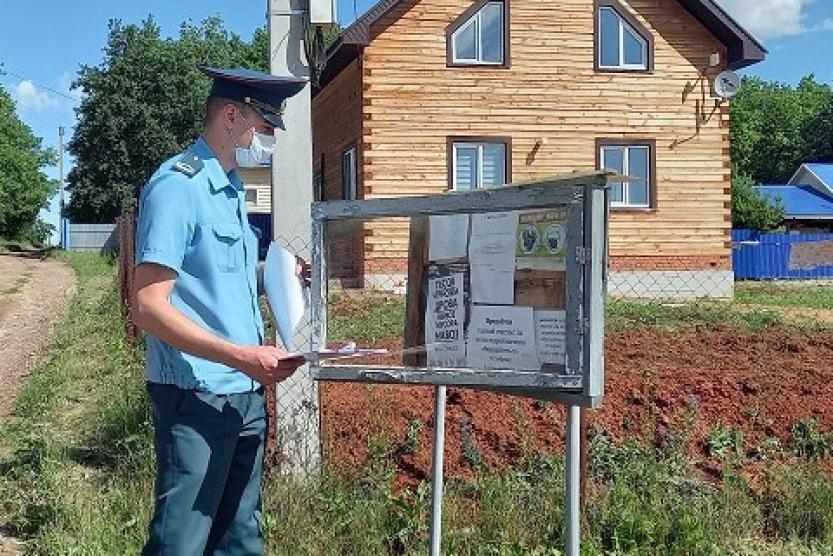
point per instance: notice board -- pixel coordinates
(504, 287)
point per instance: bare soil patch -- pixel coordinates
(658, 383)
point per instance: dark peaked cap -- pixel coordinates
(264, 92)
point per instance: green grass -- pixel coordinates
(18, 284)
(370, 316)
(76, 461)
(781, 294)
(366, 316)
(76, 472)
(626, 315)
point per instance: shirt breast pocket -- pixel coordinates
(228, 246)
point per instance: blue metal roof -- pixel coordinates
(823, 171)
(800, 201)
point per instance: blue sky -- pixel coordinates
(45, 42)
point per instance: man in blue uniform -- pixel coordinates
(195, 294)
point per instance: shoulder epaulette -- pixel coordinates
(190, 165)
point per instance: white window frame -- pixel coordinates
(350, 179)
(625, 203)
(257, 196)
(475, 20)
(479, 169)
(623, 25)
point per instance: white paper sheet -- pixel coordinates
(444, 319)
(448, 237)
(493, 284)
(502, 338)
(284, 292)
(324, 354)
(492, 257)
(493, 239)
(551, 336)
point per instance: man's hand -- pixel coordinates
(303, 271)
(153, 312)
(268, 364)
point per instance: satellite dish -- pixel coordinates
(726, 84)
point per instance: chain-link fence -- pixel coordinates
(296, 401)
(787, 273)
(367, 300)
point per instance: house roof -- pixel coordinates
(742, 48)
(801, 202)
(821, 171)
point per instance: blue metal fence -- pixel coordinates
(262, 222)
(766, 256)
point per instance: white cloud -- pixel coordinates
(769, 19)
(28, 95)
(825, 25)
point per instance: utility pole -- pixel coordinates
(61, 231)
(297, 411)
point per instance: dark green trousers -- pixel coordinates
(209, 462)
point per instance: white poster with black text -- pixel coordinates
(502, 338)
(444, 320)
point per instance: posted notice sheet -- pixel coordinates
(492, 257)
(551, 336)
(502, 338)
(448, 237)
(444, 318)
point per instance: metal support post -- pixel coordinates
(572, 506)
(437, 471)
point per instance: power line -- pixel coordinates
(35, 83)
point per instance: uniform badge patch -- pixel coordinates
(190, 165)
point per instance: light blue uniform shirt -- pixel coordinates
(192, 219)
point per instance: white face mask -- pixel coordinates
(258, 153)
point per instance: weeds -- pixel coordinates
(471, 453)
(76, 475)
(809, 441)
(411, 442)
(799, 505)
(725, 442)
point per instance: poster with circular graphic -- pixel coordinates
(542, 239)
(554, 239)
(529, 239)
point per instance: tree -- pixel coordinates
(24, 189)
(776, 128)
(820, 135)
(143, 104)
(751, 210)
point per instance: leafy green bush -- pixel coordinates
(725, 442)
(751, 210)
(809, 441)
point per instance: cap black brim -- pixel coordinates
(273, 119)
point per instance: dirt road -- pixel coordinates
(34, 295)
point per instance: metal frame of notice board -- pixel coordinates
(578, 382)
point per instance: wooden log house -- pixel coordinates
(423, 96)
